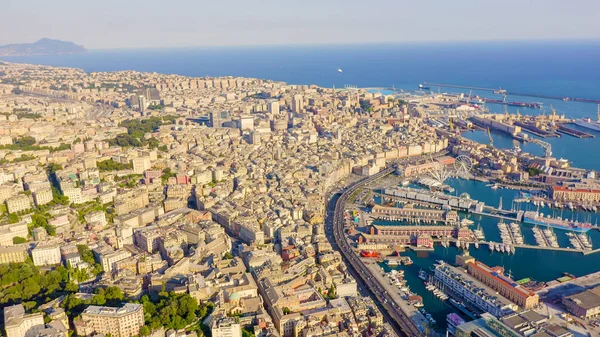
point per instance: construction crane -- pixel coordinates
(490, 135)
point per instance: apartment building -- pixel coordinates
(18, 203)
(44, 255)
(226, 327)
(107, 257)
(14, 254)
(125, 321)
(10, 231)
(19, 324)
(42, 196)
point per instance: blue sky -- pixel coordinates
(181, 23)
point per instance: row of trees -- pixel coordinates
(111, 165)
(27, 143)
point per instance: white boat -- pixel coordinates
(495, 187)
(491, 245)
(542, 204)
(340, 70)
(571, 205)
(594, 208)
(476, 245)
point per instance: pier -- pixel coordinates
(526, 246)
(573, 132)
(506, 92)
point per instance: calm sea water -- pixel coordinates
(556, 68)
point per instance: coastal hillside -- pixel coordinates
(44, 46)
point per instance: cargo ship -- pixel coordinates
(369, 253)
(535, 218)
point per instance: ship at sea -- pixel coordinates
(535, 218)
(588, 123)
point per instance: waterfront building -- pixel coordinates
(125, 321)
(19, 324)
(462, 286)
(585, 304)
(495, 279)
(416, 215)
(563, 193)
(528, 323)
(226, 327)
(436, 231)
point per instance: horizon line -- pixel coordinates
(358, 43)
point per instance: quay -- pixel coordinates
(505, 92)
(573, 132)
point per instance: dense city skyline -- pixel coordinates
(135, 24)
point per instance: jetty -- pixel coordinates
(501, 91)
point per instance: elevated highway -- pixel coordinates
(334, 227)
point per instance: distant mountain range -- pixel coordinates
(42, 47)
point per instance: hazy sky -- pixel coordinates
(179, 23)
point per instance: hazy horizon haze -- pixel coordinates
(115, 24)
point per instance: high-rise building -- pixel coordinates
(274, 107)
(297, 103)
(142, 104)
(141, 164)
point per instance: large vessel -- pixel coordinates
(588, 123)
(535, 218)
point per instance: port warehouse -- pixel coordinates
(415, 214)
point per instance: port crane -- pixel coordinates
(546, 146)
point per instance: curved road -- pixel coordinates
(334, 225)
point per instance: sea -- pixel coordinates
(562, 68)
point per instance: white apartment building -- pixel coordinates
(44, 255)
(19, 324)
